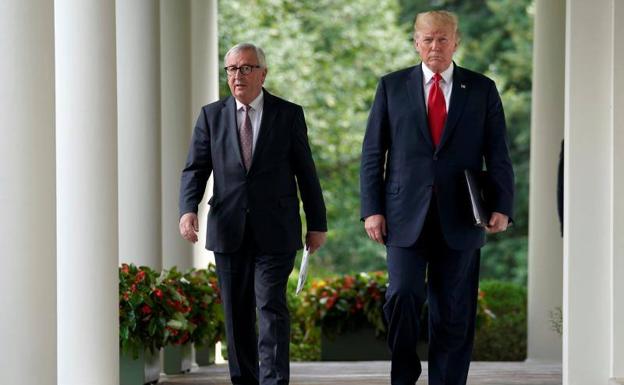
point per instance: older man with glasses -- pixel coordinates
(255, 145)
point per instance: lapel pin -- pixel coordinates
(462, 85)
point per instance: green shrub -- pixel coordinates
(504, 338)
(305, 342)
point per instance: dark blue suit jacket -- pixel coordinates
(400, 166)
(266, 196)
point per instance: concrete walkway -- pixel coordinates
(377, 373)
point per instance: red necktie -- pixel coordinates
(245, 135)
(437, 110)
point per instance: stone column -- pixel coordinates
(617, 361)
(87, 226)
(28, 317)
(175, 36)
(138, 103)
(205, 75)
(589, 193)
(545, 280)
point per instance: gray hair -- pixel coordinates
(243, 47)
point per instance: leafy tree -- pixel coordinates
(328, 55)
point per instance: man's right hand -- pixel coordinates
(375, 226)
(189, 226)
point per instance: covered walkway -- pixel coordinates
(377, 373)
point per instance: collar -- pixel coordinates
(447, 74)
(255, 104)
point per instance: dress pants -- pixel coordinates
(250, 279)
(448, 280)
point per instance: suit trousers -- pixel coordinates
(250, 279)
(448, 280)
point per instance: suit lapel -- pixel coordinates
(268, 116)
(417, 101)
(232, 129)
(456, 106)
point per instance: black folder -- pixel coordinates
(476, 184)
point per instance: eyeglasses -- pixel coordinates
(244, 69)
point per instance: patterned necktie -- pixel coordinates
(245, 135)
(437, 110)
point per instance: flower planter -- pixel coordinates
(145, 369)
(354, 345)
(177, 358)
(205, 355)
(360, 345)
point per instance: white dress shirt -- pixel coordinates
(446, 84)
(255, 116)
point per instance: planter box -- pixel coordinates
(205, 355)
(354, 345)
(360, 345)
(177, 358)
(143, 370)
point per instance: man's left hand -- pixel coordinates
(315, 239)
(498, 222)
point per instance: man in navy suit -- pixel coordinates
(255, 145)
(428, 124)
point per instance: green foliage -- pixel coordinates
(156, 309)
(338, 304)
(202, 291)
(328, 55)
(305, 341)
(142, 317)
(505, 337)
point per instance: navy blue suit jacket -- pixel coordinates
(400, 166)
(265, 198)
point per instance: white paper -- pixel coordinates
(303, 270)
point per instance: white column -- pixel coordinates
(86, 127)
(138, 101)
(617, 325)
(205, 75)
(588, 209)
(27, 193)
(545, 281)
(175, 36)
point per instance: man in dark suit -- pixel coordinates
(428, 124)
(256, 147)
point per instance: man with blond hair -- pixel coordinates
(428, 124)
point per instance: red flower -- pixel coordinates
(348, 282)
(133, 288)
(145, 309)
(140, 276)
(184, 338)
(158, 293)
(126, 296)
(125, 268)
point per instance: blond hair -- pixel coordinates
(436, 19)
